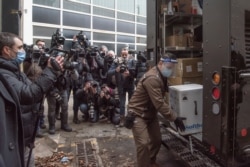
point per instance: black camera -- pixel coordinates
(79, 52)
(92, 51)
(94, 84)
(57, 39)
(39, 56)
(109, 59)
(33, 52)
(55, 93)
(68, 65)
(82, 39)
(123, 68)
(140, 55)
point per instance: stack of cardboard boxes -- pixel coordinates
(187, 71)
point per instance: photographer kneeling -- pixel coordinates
(108, 105)
(87, 98)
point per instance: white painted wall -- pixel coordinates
(26, 25)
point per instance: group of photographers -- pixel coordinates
(104, 79)
(98, 79)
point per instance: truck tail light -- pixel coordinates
(216, 78)
(243, 132)
(216, 93)
(216, 108)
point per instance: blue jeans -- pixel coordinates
(83, 108)
(122, 96)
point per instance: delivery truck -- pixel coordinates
(217, 110)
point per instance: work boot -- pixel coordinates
(52, 129)
(58, 116)
(42, 126)
(64, 122)
(39, 134)
(122, 119)
(75, 118)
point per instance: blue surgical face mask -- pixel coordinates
(166, 72)
(20, 56)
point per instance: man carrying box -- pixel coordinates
(143, 107)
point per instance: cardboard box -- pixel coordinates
(185, 6)
(176, 40)
(182, 80)
(188, 67)
(191, 41)
(186, 101)
(197, 45)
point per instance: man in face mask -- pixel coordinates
(28, 93)
(17, 54)
(147, 100)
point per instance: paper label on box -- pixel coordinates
(199, 66)
(189, 68)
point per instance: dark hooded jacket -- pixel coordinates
(11, 140)
(29, 94)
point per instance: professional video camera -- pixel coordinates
(40, 56)
(32, 52)
(141, 65)
(69, 63)
(82, 39)
(140, 55)
(92, 51)
(79, 52)
(57, 39)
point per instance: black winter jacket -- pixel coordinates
(11, 140)
(29, 94)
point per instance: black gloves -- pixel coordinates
(179, 124)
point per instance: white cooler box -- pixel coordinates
(186, 101)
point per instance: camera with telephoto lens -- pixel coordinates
(140, 55)
(82, 39)
(57, 39)
(94, 84)
(92, 113)
(123, 68)
(69, 63)
(79, 52)
(34, 54)
(55, 93)
(92, 51)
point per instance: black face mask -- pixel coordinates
(102, 54)
(109, 59)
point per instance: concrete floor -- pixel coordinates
(115, 146)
